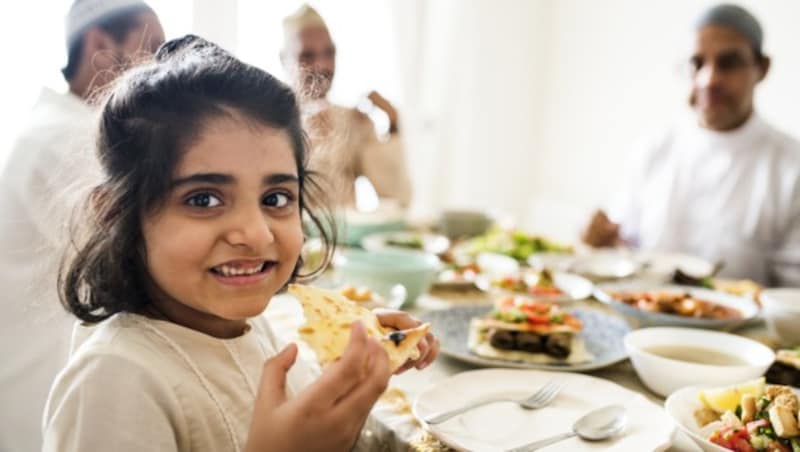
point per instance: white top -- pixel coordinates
(731, 196)
(49, 155)
(135, 383)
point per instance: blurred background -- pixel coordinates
(509, 106)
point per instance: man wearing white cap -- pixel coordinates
(344, 142)
(723, 184)
(52, 152)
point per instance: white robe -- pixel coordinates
(730, 196)
(49, 156)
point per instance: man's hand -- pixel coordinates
(381, 102)
(601, 231)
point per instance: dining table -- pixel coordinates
(395, 426)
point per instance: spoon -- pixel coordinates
(597, 425)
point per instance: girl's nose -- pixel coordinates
(250, 228)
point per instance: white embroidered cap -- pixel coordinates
(86, 13)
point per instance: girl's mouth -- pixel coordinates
(242, 273)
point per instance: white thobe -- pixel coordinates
(49, 158)
(725, 196)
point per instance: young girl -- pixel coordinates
(195, 227)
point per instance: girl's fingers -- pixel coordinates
(340, 377)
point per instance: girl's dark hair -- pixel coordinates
(148, 119)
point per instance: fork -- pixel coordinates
(538, 399)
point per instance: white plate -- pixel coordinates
(574, 287)
(431, 243)
(605, 265)
(501, 426)
(747, 307)
(680, 406)
(663, 265)
(602, 335)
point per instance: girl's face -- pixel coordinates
(229, 234)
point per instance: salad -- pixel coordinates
(517, 244)
(751, 417)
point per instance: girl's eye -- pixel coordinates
(277, 200)
(203, 200)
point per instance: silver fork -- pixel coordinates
(538, 399)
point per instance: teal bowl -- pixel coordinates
(351, 233)
(382, 270)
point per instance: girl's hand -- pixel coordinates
(329, 414)
(428, 346)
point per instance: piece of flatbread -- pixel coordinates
(329, 318)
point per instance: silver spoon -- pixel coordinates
(597, 425)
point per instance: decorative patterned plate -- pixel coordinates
(602, 334)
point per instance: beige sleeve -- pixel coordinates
(108, 402)
(384, 164)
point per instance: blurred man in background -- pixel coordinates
(52, 152)
(344, 141)
(724, 184)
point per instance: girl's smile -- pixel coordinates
(243, 272)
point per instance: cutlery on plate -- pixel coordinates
(538, 399)
(597, 425)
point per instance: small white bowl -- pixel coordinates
(665, 375)
(782, 313)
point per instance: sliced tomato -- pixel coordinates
(536, 319)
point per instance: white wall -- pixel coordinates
(613, 76)
(535, 105)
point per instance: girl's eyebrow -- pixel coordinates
(226, 179)
(280, 178)
(208, 178)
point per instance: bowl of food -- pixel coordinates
(382, 270)
(464, 223)
(782, 314)
(368, 298)
(409, 240)
(644, 305)
(667, 359)
(463, 274)
(746, 416)
(514, 243)
(540, 285)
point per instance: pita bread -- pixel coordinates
(329, 317)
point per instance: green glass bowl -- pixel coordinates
(381, 270)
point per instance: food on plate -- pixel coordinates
(786, 368)
(677, 303)
(751, 417)
(522, 329)
(543, 285)
(329, 317)
(460, 273)
(517, 244)
(738, 287)
(407, 241)
(359, 295)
